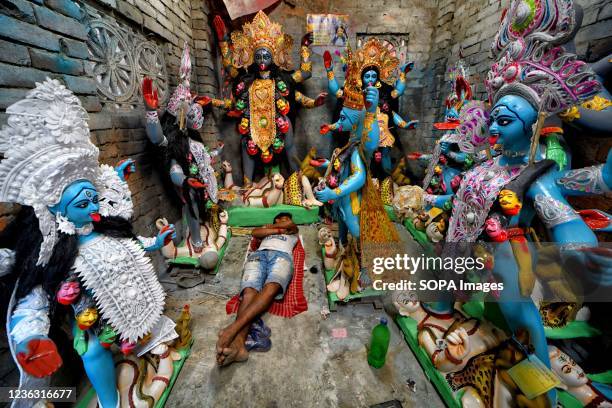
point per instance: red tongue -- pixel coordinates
(262, 67)
(493, 140)
(95, 217)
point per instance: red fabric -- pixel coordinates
(294, 302)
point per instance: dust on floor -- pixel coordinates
(306, 366)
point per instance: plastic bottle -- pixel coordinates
(379, 344)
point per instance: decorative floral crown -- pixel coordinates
(46, 148)
(261, 33)
(372, 54)
(531, 62)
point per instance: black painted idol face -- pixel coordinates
(263, 58)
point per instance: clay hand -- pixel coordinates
(319, 163)
(38, 356)
(598, 265)
(327, 60)
(149, 94)
(195, 183)
(226, 166)
(371, 99)
(407, 67)
(124, 168)
(223, 217)
(458, 344)
(220, 28)
(202, 100)
(167, 234)
(307, 39)
(326, 195)
(320, 100)
(444, 147)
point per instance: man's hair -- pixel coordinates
(283, 214)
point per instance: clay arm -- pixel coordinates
(225, 104)
(370, 125)
(305, 71)
(29, 327)
(402, 124)
(176, 174)
(352, 184)
(440, 201)
(308, 102)
(151, 103)
(400, 83)
(578, 243)
(222, 235)
(150, 244)
(592, 180)
(224, 46)
(332, 84)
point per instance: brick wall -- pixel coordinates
(54, 38)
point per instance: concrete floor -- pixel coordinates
(306, 366)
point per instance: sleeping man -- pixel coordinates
(266, 276)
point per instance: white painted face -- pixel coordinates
(278, 180)
(570, 373)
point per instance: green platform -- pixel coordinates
(391, 213)
(332, 298)
(256, 217)
(189, 261)
(408, 326)
(178, 366)
(420, 237)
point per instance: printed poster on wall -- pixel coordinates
(330, 31)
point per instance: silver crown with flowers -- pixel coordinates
(46, 147)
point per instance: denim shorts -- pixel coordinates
(267, 266)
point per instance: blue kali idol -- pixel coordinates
(73, 245)
(533, 78)
(378, 64)
(347, 184)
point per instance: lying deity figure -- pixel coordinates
(264, 94)
(74, 245)
(347, 184)
(378, 74)
(534, 77)
(185, 159)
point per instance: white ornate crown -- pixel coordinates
(46, 147)
(531, 61)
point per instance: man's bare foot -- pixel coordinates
(226, 337)
(235, 353)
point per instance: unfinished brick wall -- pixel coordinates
(66, 40)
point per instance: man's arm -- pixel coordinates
(275, 229)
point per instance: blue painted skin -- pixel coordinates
(512, 118)
(369, 78)
(79, 200)
(352, 177)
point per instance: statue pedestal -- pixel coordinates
(258, 216)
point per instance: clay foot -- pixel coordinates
(308, 203)
(235, 353)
